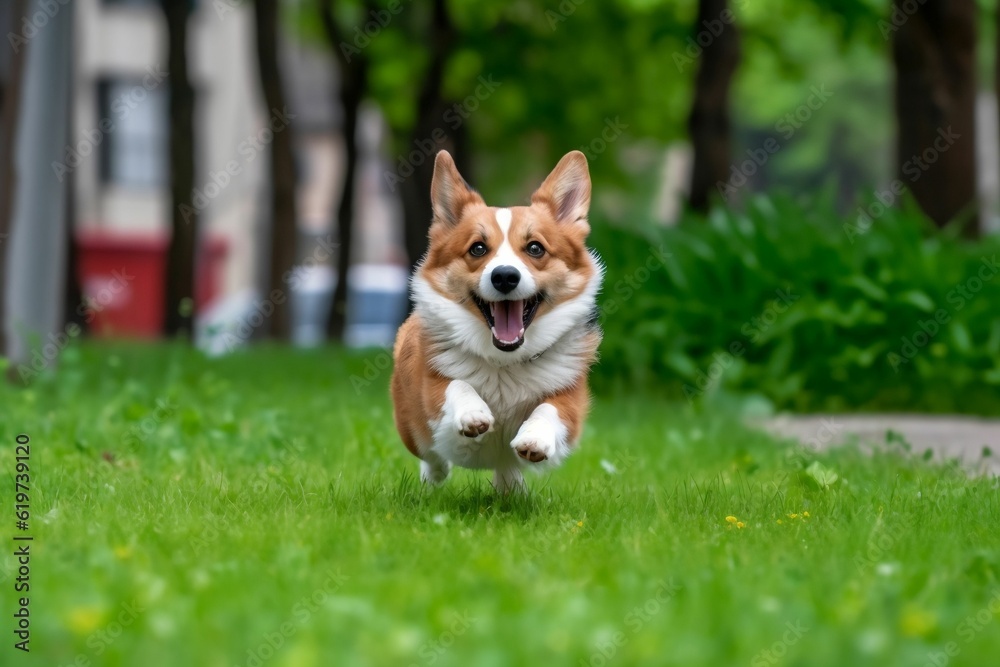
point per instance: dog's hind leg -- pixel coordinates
(508, 479)
(434, 469)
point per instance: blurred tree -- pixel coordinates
(715, 34)
(284, 227)
(934, 50)
(10, 102)
(522, 82)
(828, 54)
(73, 311)
(533, 81)
(180, 269)
(354, 67)
(430, 134)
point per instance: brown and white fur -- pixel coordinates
(491, 367)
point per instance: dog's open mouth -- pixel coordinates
(508, 320)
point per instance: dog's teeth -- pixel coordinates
(521, 332)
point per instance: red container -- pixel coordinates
(122, 281)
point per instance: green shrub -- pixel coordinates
(804, 308)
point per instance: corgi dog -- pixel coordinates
(491, 367)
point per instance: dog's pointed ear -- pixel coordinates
(449, 191)
(567, 189)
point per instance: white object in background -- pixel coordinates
(376, 304)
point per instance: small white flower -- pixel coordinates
(887, 569)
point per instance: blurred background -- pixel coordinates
(797, 201)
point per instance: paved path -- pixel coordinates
(947, 436)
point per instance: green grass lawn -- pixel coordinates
(259, 509)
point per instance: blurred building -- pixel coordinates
(119, 159)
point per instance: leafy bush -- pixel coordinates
(805, 309)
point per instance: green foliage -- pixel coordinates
(797, 305)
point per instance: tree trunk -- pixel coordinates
(284, 228)
(10, 101)
(180, 271)
(353, 88)
(708, 123)
(430, 127)
(37, 244)
(73, 292)
(934, 50)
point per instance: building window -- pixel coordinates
(134, 148)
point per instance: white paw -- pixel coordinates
(474, 422)
(535, 441)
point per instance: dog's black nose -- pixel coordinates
(505, 278)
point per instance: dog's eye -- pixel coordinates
(535, 249)
(478, 249)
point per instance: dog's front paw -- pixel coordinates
(535, 441)
(474, 422)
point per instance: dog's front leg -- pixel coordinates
(550, 432)
(463, 419)
(463, 413)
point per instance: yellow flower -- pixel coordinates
(793, 516)
(84, 620)
(580, 524)
(916, 622)
(731, 519)
(805, 514)
(122, 552)
(740, 524)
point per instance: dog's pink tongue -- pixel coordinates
(508, 320)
